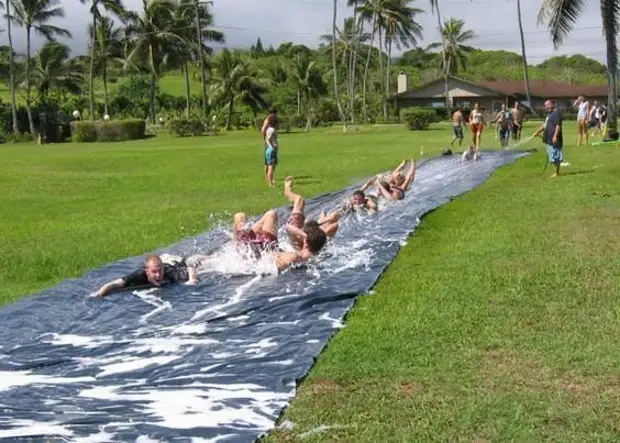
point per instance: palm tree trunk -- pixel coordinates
(526, 76)
(104, 76)
(298, 102)
(336, 93)
(11, 69)
(356, 35)
(28, 110)
(229, 117)
(188, 97)
(381, 73)
(365, 79)
(443, 57)
(153, 83)
(608, 10)
(91, 75)
(388, 43)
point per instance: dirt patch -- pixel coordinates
(506, 371)
(320, 386)
(410, 389)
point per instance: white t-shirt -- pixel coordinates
(583, 110)
(271, 134)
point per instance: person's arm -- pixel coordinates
(410, 176)
(113, 285)
(285, 259)
(264, 128)
(557, 129)
(368, 184)
(540, 130)
(295, 231)
(384, 191)
(402, 164)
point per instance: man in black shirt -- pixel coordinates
(552, 135)
(157, 271)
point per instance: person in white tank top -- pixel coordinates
(583, 107)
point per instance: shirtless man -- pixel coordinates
(395, 187)
(503, 119)
(517, 122)
(328, 224)
(261, 239)
(476, 121)
(157, 271)
(457, 126)
(583, 109)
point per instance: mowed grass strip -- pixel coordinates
(499, 321)
(68, 208)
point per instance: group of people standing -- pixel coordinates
(509, 124)
(589, 117)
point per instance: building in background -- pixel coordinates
(490, 95)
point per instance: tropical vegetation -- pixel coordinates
(136, 57)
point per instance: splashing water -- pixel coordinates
(218, 360)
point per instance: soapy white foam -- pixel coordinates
(78, 340)
(133, 364)
(336, 322)
(235, 299)
(25, 428)
(14, 379)
(205, 407)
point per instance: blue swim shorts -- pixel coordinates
(555, 154)
(271, 156)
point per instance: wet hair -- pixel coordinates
(152, 259)
(385, 184)
(315, 237)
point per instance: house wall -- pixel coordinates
(486, 103)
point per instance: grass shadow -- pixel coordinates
(579, 172)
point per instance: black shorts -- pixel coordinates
(458, 131)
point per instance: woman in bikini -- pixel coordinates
(476, 121)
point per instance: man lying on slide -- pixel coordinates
(261, 239)
(297, 224)
(158, 270)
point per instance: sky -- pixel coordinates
(304, 21)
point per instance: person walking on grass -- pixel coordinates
(270, 135)
(552, 135)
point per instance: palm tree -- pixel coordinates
(115, 6)
(11, 68)
(235, 78)
(187, 48)
(454, 48)
(109, 46)
(435, 8)
(51, 72)
(151, 39)
(309, 83)
(34, 14)
(357, 39)
(523, 55)
(560, 17)
(369, 12)
(335, 72)
(401, 29)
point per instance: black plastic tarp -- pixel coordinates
(217, 361)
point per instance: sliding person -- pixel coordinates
(327, 223)
(393, 191)
(261, 240)
(157, 271)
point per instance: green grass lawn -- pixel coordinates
(498, 321)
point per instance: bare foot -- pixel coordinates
(555, 175)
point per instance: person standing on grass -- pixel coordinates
(457, 126)
(270, 134)
(517, 122)
(583, 109)
(476, 122)
(552, 135)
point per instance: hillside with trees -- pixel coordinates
(147, 64)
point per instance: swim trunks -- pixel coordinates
(458, 131)
(258, 242)
(297, 219)
(477, 128)
(554, 154)
(271, 156)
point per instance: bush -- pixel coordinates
(185, 127)
(105, 131)
(418, 119)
